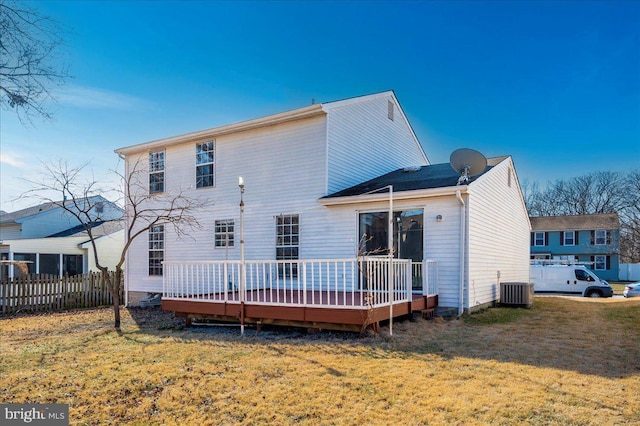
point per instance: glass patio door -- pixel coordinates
(408, 231)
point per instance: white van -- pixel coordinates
(573, 279)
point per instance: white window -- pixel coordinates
(156, 249)
(205, 161)
(600, 263)
(600, 237)
(224, 233)
(539, 239)
(569, 238)
(287, 244)
(156, 171)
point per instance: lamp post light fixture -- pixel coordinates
(242, 268)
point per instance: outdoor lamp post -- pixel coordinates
(242, 269)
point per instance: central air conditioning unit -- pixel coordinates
(516, 294)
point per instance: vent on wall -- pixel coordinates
(390, 110)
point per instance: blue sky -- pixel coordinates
(554, 84)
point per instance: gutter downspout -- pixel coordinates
(462, 251)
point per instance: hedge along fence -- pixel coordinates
(45, 293)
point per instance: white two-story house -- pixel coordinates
(316, 186)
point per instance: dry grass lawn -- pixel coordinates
(568, 361)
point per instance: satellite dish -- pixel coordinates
(467, 162)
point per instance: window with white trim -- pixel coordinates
(600, 263)
(224, 233)
(287, 244)
(156, 249)
(569, 238)
(539, 239)
(156, 171)
(205, 161)
(600, 238)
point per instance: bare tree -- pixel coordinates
(66, 187)
(29, 43)
(630, 226)
(594, 193)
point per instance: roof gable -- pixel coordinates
(268, 120)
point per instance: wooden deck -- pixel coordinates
(288, 307)
(353, 293)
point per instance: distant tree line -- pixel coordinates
(594, 193)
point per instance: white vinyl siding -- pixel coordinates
(364, 143)
(499, 232)
(66, 245)
(282, 169)
(442, 243)
(109, 250)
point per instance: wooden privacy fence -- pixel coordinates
(44, 293)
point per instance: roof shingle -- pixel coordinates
(574, 222)
(410, 179)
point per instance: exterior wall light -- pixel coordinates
(439, 218)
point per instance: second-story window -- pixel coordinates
(156, 171)
(600, 237)
(569, 238)
(539, 239)
(205, 160)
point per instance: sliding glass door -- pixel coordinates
(408, 231)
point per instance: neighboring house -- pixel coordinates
(309, 174)
(592, 239)
(51, 241)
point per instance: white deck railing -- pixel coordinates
(359, 283)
